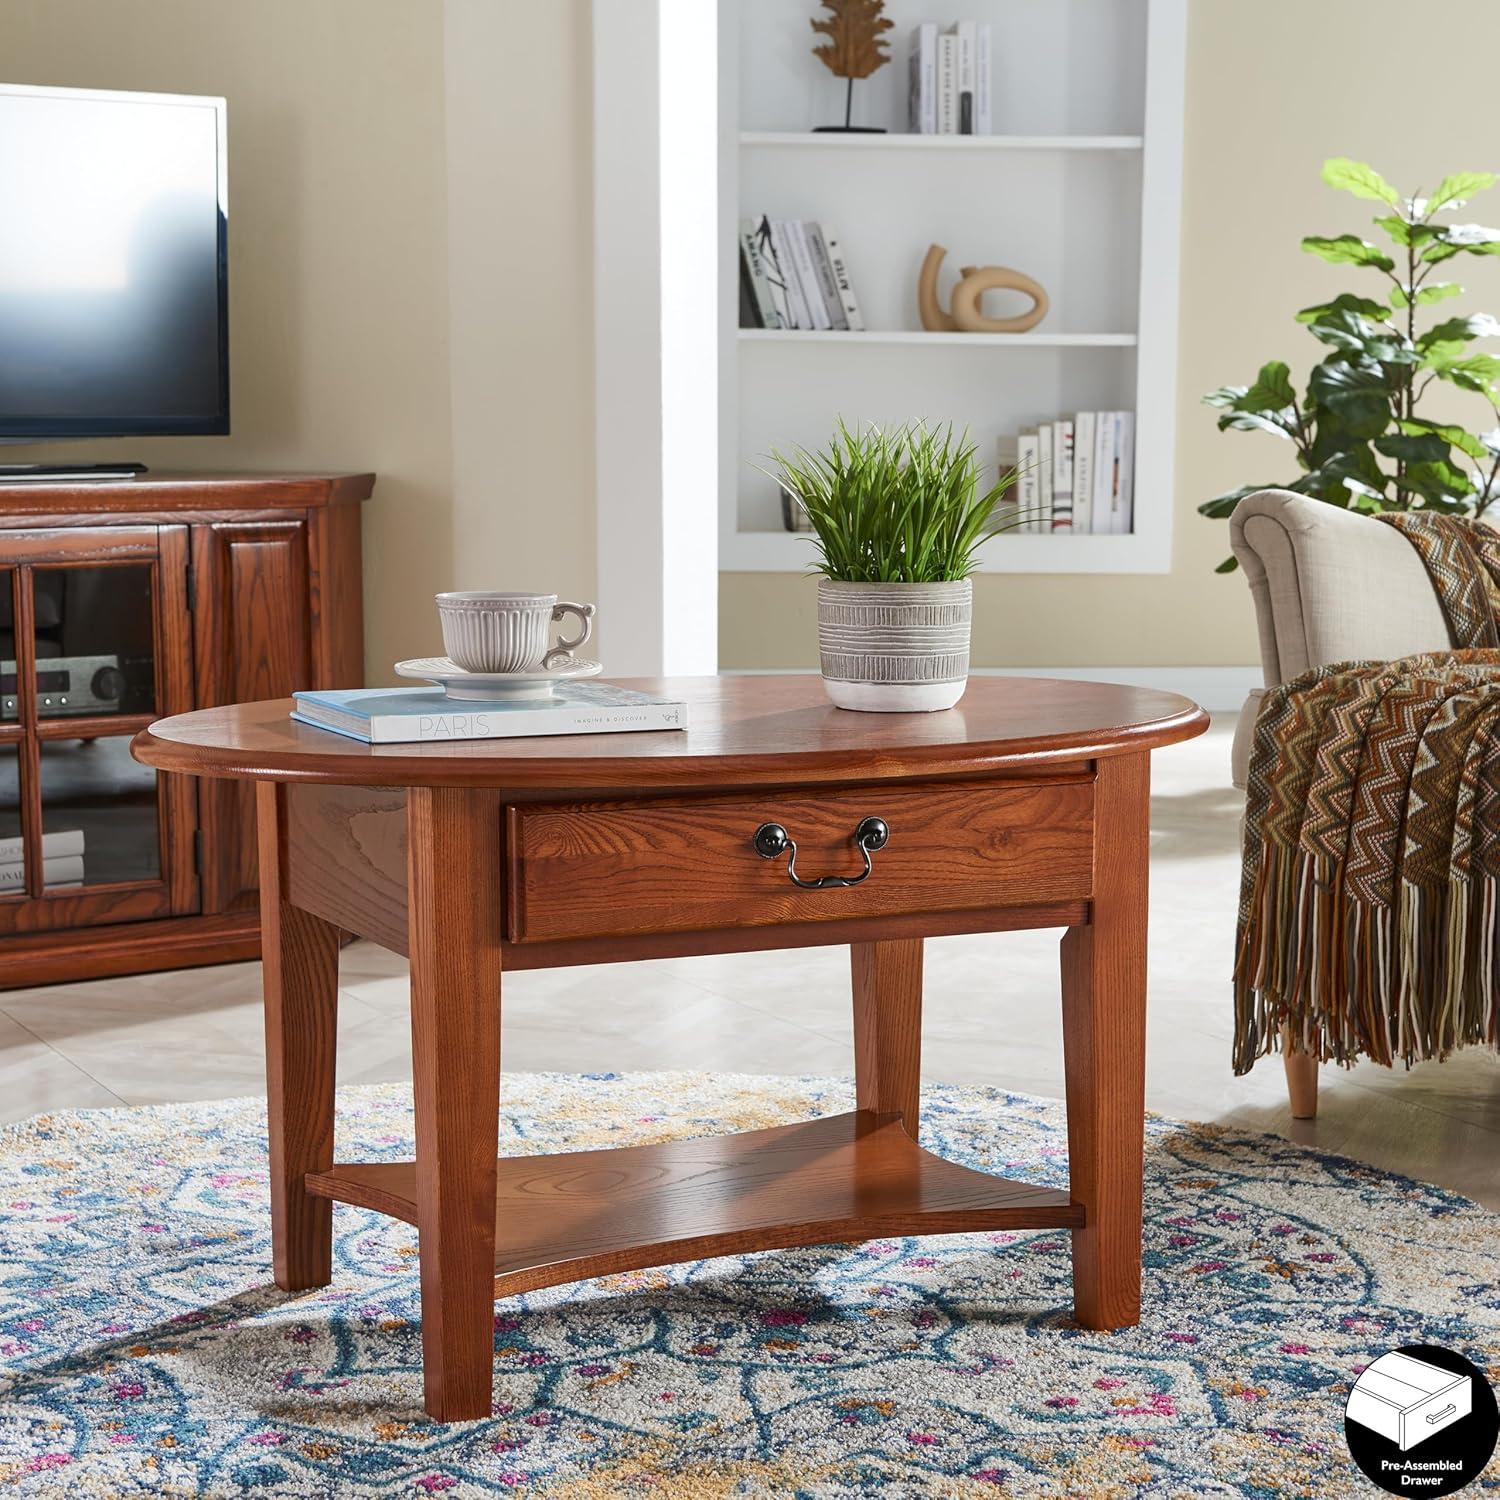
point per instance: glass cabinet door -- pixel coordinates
(87, 833)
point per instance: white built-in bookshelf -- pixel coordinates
(1078, 187)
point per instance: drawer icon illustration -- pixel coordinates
(1408, 1400)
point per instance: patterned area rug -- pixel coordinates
(144, 1350)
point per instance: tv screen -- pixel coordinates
(113, 264)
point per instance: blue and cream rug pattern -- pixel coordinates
(145, 1351)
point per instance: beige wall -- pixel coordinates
(1273, 88)
(340, 262)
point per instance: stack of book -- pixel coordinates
(793, 275)
(1078, 474)
(62, 860)
(949, 91)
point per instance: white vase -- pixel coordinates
(894, 647)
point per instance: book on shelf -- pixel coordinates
(1083, 472)
(1122, 509)
(965, 79)
(828, 286)
(793, 274)
(60, 869)
(1106, 474)
(947, 84)
(786, 259)
(767, 267)
(1008, 507)
(1062, 476)
(983, 88)
(818, 314)
(62, 841)
(753, 279)
(399, 716)
(922, 82)
(950, 79)
(1028, 458)
(1077, 474)
(853, 318)
(1042, 518)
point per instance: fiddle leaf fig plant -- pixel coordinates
(1360, 432)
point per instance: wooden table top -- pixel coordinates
(743, 731)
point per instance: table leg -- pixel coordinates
(454, 922)
(888, 1027)
(300, 964)
(1104, 1049)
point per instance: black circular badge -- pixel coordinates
(1421, 1420)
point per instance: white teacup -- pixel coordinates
(488, 631)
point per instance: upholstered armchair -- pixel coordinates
(1328, 585)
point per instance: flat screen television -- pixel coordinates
(114, 292)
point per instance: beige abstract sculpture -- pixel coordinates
(967, 315)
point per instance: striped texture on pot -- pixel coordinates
(894, 632)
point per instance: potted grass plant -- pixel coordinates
(898, 517)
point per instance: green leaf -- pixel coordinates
(1457, 187)
(1347, 250)
(1272, 390)
(1411, 448)
(1254, 421)
(1468, 234)
(1229, 564)
(1366, 307)
(1459, 330)
(1450, 433)
(1456, 239)
(1223, 505)
(1357, 471)
(1437, 291)
(1406, 233)
(1359, 391)
(1360, 179)
(1354, 334)
(1226, 395)
(1437, 480)
(1474, 372)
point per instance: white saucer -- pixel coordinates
(488, 687)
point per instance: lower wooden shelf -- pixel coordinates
(844, 1178)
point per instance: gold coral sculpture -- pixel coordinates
(855, 47)
(967, 315)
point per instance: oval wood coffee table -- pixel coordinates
(1025, 806)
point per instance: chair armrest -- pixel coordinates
(1331, 584)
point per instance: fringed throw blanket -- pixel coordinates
(1371, 882)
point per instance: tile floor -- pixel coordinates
(991, 1017)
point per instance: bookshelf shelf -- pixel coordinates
(905, 141)
(1041, 340)
(1079, 187)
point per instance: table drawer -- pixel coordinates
(603, 869)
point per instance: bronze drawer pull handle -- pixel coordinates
(1438, 1416)
(772, 840)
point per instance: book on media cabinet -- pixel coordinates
(404, 716)
(57, 870)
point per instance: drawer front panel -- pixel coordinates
(613, 868)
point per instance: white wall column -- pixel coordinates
(657, 309)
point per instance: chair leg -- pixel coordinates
(1301, 1078)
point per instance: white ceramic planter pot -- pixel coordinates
(895, 647)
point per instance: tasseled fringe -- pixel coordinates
(1347, 979)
